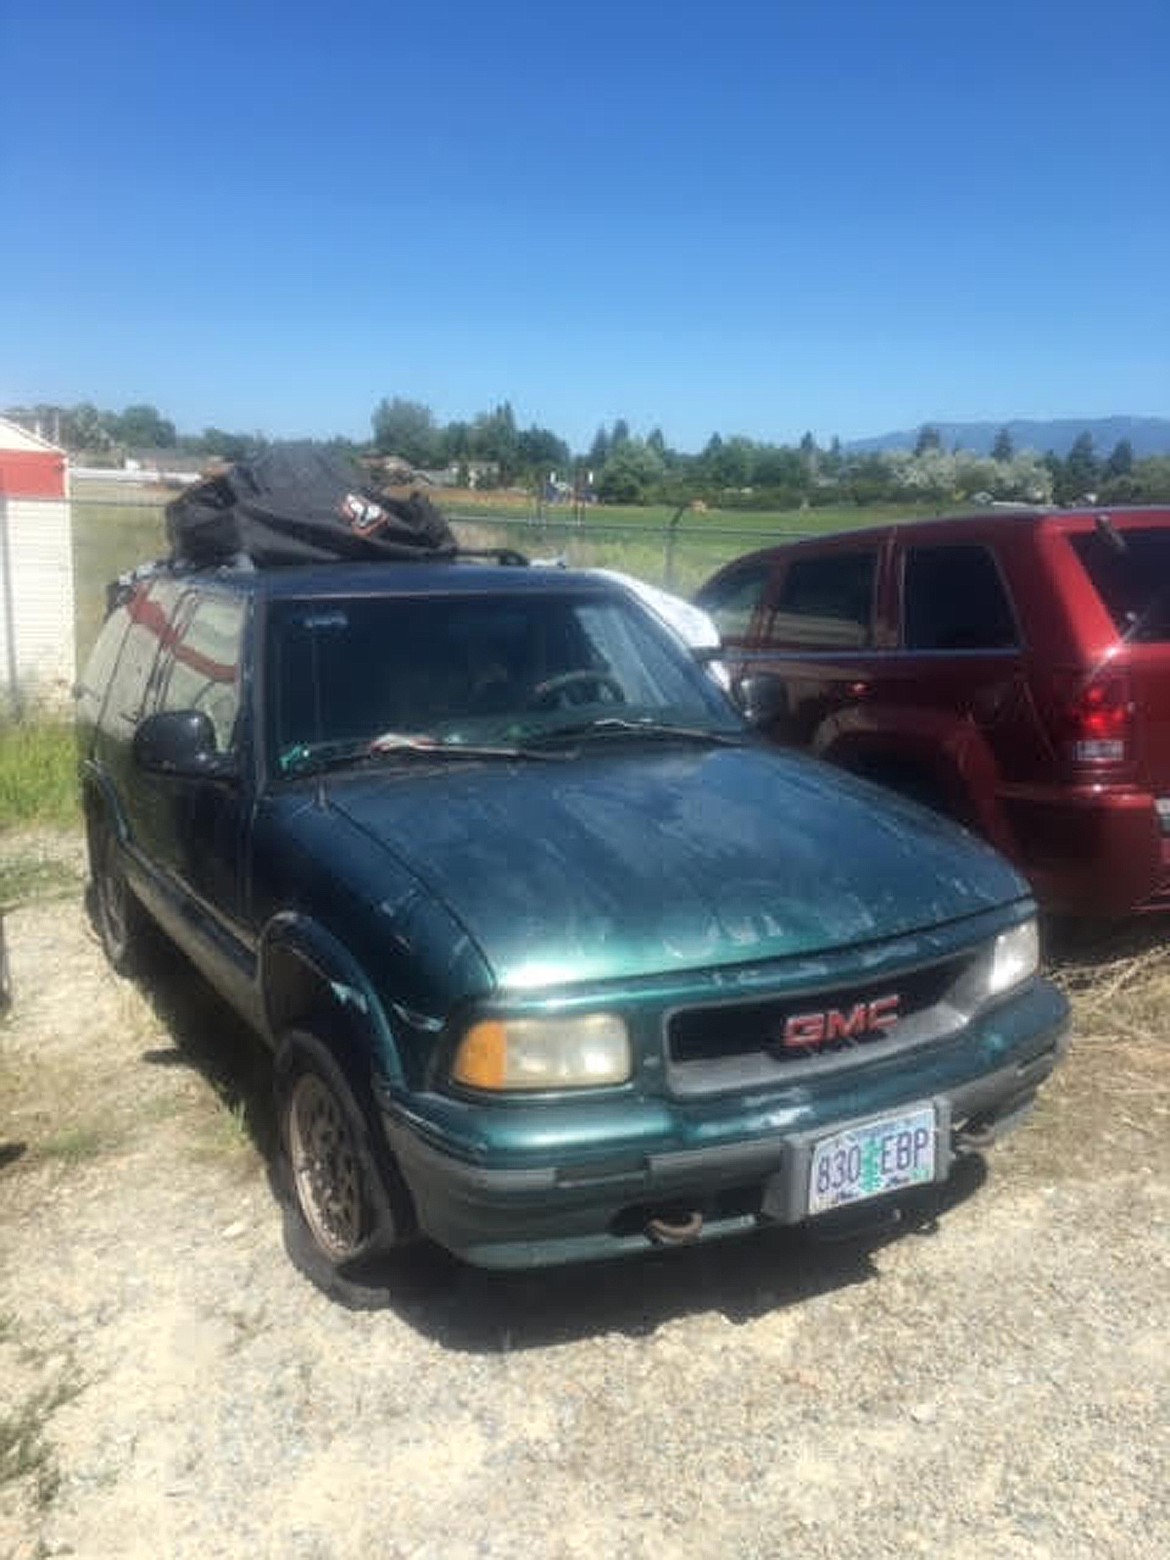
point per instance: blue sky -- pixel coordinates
(747, 218)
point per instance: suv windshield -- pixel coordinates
(475, 671)
(1131, 572)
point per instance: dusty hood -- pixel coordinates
(636, 861)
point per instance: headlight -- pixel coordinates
(1014, 957)
(576, 1051)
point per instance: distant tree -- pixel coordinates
(929, 438)
(1151, 480)
(1055, 467)
(541, 451)
(406, 429)
(142, 428)
(495, 437)
(228, 446)
(83, 427)
(832, 460)
(630, 474)
(656, 441)
(1081, 470)
(598, 451)
(1120, 462)
(455, 442)
(1004, 447)
(781, 466)
(868, 478)
(620, 434)
(729, 463)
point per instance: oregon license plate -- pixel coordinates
(873, 1158)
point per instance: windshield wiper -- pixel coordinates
(658, 730)
(393, 743)
(306, 756)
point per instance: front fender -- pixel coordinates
(298, 959)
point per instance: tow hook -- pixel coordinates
(675, 1229)
(977, 1135)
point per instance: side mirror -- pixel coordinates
(181, 742)
(762, 699)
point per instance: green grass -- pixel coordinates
(77, 1144)
(109, 537)
(25, 875)
(640, 541)
(38, 773)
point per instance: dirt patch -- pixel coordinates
(994, 1384)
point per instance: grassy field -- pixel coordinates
(113, 531)
(109, 536)
(648, 542)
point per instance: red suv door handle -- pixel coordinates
(858, 690)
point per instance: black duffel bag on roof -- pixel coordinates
(299, 504)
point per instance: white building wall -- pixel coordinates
(37, 661)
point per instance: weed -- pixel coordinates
(76, 1145)
(38, 772)
(30, 875)
(25, 1452)
(227, 1134)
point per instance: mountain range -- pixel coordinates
(1147, 435)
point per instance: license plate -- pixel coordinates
(876, 1157)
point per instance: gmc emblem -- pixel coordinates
(823, 1028)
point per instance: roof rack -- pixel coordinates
(119, 590)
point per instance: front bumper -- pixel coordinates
(738, 1163)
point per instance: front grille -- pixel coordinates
(711, 1034)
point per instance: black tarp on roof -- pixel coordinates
(300, 504)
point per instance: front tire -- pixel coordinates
(345, 1205)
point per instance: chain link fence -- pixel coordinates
(115, 529)
(678, 553)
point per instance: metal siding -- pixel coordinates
(36, 563)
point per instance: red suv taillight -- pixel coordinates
(1099, 719)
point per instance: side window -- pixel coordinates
(204, 669)
(954, 599)
(99, 667)
(825, 603)
(149, 615)
(732, 600)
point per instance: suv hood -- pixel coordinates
(633, 863)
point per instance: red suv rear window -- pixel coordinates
(1131, 572)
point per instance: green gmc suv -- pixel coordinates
(557, 959)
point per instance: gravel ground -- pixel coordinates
(994, 1384)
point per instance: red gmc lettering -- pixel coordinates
(883, 1012)
(812, 1029)
(838, 1027)
(805, 1029)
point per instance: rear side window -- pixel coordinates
(149, 613)
(204, 668)
(99, 668)
(825, 603)
(1130, 571)
(954, 599)
(732, 599)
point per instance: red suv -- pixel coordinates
(1012, 669)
